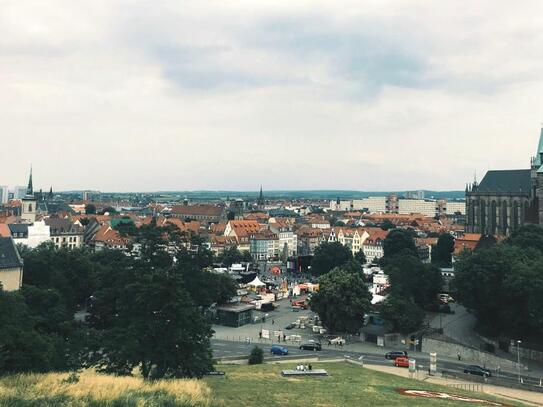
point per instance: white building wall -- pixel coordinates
(454, 207)
(38, 233)
(372, 203)
(425, 207)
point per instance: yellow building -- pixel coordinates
(11, 265)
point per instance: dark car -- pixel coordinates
(311, 346)
(290, 326)
(477, 370)
(396, 354)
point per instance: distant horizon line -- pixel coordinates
(227, 191)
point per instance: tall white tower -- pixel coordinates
(28, 211)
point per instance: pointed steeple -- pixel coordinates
(261, 196)
(30, 188)
(51, 193)
(537, 159)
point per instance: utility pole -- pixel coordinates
(518, 360)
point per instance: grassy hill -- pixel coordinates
(95, 390)
(262, 385)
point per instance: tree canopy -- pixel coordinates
(329, 255)
(443, 250)
(232, 255)
(360, 257)
(146, 312)
(403, 314)
(399, 242)
(502, 286)
(342, 300)
(411, 278)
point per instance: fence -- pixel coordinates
(467, 386)
(528, 383)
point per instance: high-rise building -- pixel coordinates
(4, 194)
(19, 192)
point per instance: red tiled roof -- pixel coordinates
(109, 236)
(197, 210)
(244, 228)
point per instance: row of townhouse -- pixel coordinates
(368, 240)
(63, 233)
(266, 238)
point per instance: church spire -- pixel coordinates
(537, 159)
(30, 188)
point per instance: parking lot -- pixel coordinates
(270, 321)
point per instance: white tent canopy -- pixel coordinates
(256, 282)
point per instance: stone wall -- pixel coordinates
(470, 355)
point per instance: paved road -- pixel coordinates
(223, 348)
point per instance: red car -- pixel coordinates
(401, 362)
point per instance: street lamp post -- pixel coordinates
(518, 359)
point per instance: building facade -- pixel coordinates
(505, 200)
(11, 265)
(64, 233)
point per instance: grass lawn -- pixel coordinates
(243, 386)
(347, 385)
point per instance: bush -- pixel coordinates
(257, 356)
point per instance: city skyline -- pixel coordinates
(382, 96)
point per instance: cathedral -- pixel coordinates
(505, 200)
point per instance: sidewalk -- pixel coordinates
(527, 397)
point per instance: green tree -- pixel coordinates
(67, 271)
(329, 255)
(154, 325)
(90, 209)
(231, 255)
(529, 236)
(403, 314)
(256, 357)
(360, 257)
(108, 209)
(342, 300)
(443, 250)
(502, 286)
(399, 242)
(486, 242)
(22, 347)
(387, 225)
(410, 277)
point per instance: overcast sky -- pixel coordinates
(173, 95)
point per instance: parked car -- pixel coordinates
(290, 326)
(337, 341)
(477, 370)
(278, 350)
(401, 362)
(396, 354)
(300, 303)
(311, 346)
